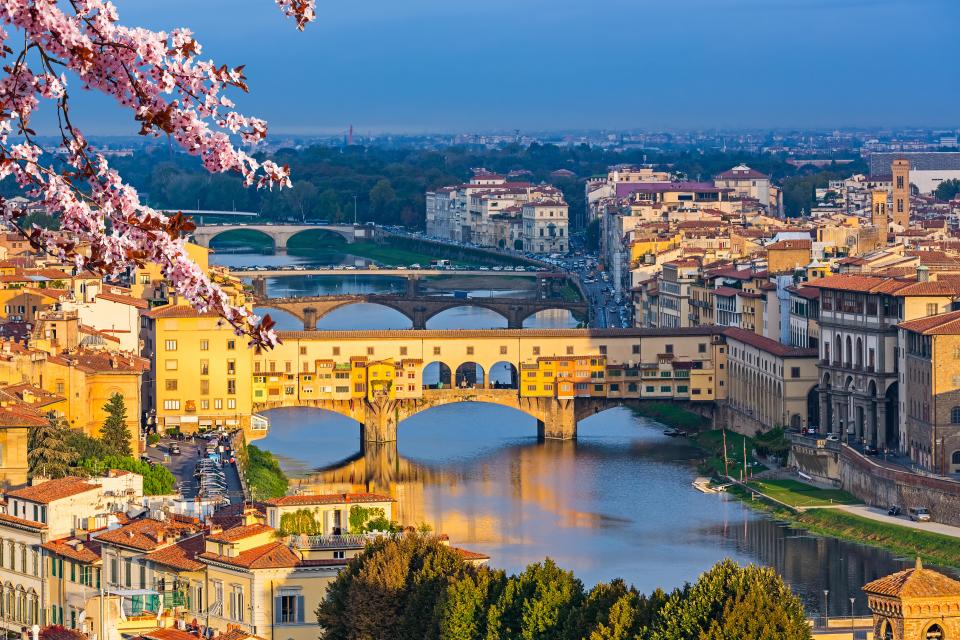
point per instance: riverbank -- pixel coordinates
(932, 547)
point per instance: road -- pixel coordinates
(880, 515)
(279, 273)
(182, 467)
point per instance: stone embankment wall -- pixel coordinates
(881, 486)
(815, 457)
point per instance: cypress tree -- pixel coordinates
(114, 433)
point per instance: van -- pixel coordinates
(919, 514)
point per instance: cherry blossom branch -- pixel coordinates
(170, 91)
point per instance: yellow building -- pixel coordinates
(330, 512)
(202, 371)
(788, 256)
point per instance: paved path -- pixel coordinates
(880, 515)
(183, 465)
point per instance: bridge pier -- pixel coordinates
(310, 319)
(380, 419)
(413, 286)
(260, 287)
(558, 420)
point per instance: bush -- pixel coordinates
(157, 480)
(153, 438)
(265, 478)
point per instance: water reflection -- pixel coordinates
(617, 502)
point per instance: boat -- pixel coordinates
(705, 485)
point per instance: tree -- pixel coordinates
(947, 190)
(48, 455)
(170, 91)
(730, 602)
(114, 434)
(535, 604)
(383, 201)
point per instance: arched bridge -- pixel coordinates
(281, 233)
(419, 309)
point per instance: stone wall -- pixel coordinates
(882, 486)
(815, 457)
(727, 416)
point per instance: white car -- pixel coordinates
(832, 437)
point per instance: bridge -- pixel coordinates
(280, 234)
(420, 309)
(556, 376)
(399, 273)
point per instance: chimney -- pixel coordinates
(923, 274)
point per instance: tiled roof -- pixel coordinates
(892, 286)
(239, 533)
(21, 522)
(181, 555)
(237, 634)
(47, 492)
(466, 554)
(178, 311)
(914, 583)
(167, 633)
(805, 292)
(94, 361)
(148, 534)
(139, 303)
(939, 325)
(331, 498)
(787, 245)
(85, 551)
(726, 292)
(273, 555)
(767, 344)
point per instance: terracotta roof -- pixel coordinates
(914, 583)
(790, 245)
(181, 555)
(21, 522)
(148, 534)
(178, 311)
(805, 292)
(47, 492)
(274, 555)
(85, 551)
(93, 361)
(139, 303)
(237, 634)
(943, 324)
(892, 286)
(466, 554)
(167, 633)
(726, 291)
(239, 533)
(767, 344)
(331, 498)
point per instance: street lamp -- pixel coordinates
(852, 599)
(826, 607)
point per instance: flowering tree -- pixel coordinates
(170, 91)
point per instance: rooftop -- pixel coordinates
(47, 492)
(330, 498)
(914, 583)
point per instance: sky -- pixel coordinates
(418, 66)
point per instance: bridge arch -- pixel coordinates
(437, 375)
(503, 375)
(328, 232)
(212, 238)
(471, 303)
(552, 318)
(470, 375)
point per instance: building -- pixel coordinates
(752, 184)
(927, 169)
(914, 604)
(861, 399)
(332, 514)
(674, 303)
(545, 227)
(931, 391)
(769, 384)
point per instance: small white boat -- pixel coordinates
(703, 485)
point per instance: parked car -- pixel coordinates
(919, 514)
(870, 450)
(174, 449)
(894, 510)
(832, 437)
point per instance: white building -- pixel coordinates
(545, 227)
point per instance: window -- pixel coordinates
(339, 555)
(231, 345)
(794, 372)
(205, 404)
(205, 387)
(231, 403)
(536, 351)
(469, 351)
(171, 384)
(127, 573)
(702, 347)
(369, 351)
(669, 348)
(932, 308)
(569, 350)
(603, 349)
(204, 345)
(205, 367)
(170, 345)
(403, 351)
(231, 386)
(336, 351)
(114, 571)
(955, 415)
(303, 351)
(288, 608)
(170, 365)
(503, 350)
(664, 389)
(218, 592)
(171, 405)
(636, 348)
(436, 351)
(236, 603)
(218, 404)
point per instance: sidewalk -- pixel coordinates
(880, 515)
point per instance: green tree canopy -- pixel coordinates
(114, 434)
(947, 190)
(48, 454)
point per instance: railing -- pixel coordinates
(333, 541)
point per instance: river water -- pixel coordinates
(615, 503)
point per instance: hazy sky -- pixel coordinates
(452, 65)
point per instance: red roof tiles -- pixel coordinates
(47, 492)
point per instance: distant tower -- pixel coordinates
(879, 210)
(901, 192)
(350, 137)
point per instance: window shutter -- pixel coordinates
(277, 610)
(300, 609)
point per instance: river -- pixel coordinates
(615, 503)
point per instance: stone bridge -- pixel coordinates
(281, 233)
(419, 309)
(556, 418)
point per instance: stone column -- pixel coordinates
(880, 417)
(309, 319)
(380, 421)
